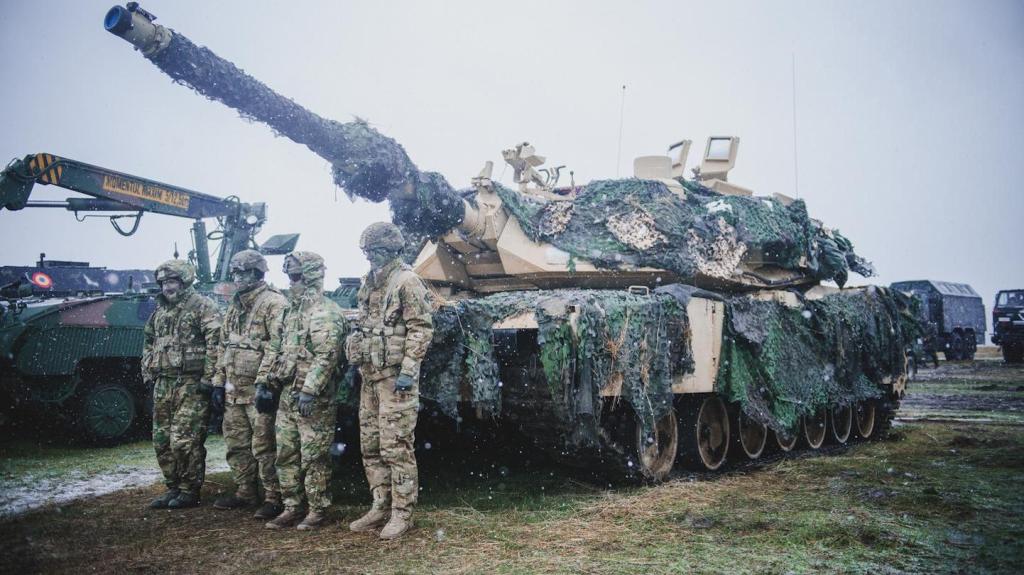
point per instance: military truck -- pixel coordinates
(623, 324)
(71, 334)
(1008, 324)
(952, 313)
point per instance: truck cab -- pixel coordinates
(1008, 324)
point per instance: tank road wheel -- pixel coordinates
(815, 427)
(751, 436)
(864, 419)
(657, 454)
(706, 434)
(841, 419)
(107, 412)
(786, 442)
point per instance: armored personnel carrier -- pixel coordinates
(623, 324)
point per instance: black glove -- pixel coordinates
(305, 404)
(403, 383)
(217, 399)
(266, 400)
(204, 388)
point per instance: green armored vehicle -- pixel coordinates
(71, 334)
(625, 324)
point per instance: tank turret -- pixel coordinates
(655, 228)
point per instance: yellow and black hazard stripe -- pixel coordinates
(44, 170)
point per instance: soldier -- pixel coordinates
(311, 347)
(250, 340)
(394, 331)
(179, 356)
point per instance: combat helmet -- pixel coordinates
(179, 269)
(248, 260)
(382, 235)
(311, 265)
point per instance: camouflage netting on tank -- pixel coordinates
(641, 223)
(780, 363)
(613, 338)
(364, 162)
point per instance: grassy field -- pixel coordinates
(940, 497)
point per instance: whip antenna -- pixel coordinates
(796, 170)
(622, 113)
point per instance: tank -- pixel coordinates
(628, 325)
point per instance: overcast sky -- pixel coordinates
(909, 115)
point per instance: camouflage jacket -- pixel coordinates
(312, 337)
(395, 322)
(250, 340)
(182, 339)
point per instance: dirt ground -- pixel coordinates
(942, 496)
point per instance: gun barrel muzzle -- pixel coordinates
(137, 29)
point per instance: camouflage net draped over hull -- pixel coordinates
(363, 161)
(641, 223)
(637, 340)
(780, 363)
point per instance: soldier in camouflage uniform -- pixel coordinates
(179, 356)
(250, 339)
(307, 368)
(394, 331)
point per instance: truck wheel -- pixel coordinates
(107, 412)
(970, 346)
(1013, 353)
(953, 351)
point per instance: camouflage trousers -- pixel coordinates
(387, 426)
(249, 437)
(180, 417)
(303, 456)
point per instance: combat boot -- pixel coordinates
(270, 509)
(233, 502)
(373, 519)
(184, 500)
(162, 501)
(401, 521)
(286, 519)
(314, 520)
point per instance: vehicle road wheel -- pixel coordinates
(785, 442)
(657, 454)
(706, 434)
(864, 419)
(815, 428)
(751, 436)
(107, 412)
(842, 423)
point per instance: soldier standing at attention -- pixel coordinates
(394, 331)
(250, 339)
(179, 356)
(311, 349)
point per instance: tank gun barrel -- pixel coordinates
(364, 162)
